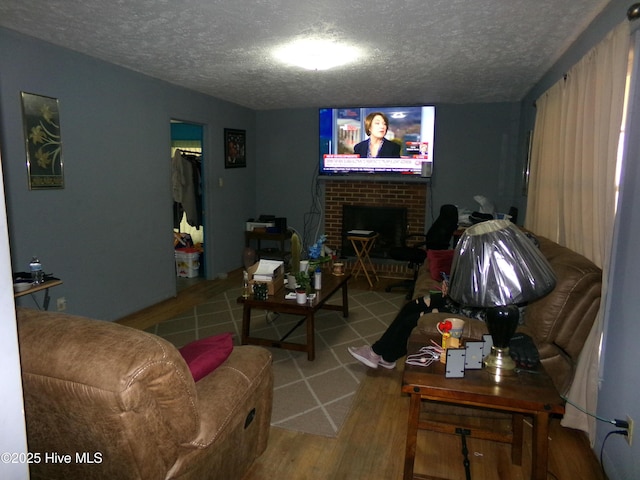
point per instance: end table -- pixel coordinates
(524, 394)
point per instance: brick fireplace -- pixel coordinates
(411, 196)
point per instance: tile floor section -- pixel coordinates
(313, 397)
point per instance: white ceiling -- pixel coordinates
(446, 51)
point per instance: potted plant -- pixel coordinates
(303, 286)
(303, 282)
(294, 266)
(317, 255)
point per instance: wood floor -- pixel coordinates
(372, 441)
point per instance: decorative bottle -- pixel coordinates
(317, 279)
(246, 288)
(35, 267)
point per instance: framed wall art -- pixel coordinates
(235, 148)
(41, 120)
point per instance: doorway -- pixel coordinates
(187, 155)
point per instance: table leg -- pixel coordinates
(367, 258)
(412, 436)
(246, 323)
(47, 299)
(345, 300)
(358, 265)
(362, 254)
(517, 427)
(540, 447)
(311, 338)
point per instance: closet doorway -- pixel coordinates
(187, 157)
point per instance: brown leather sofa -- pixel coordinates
(558, 323)
(122, 403)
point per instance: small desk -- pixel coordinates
(524, 394)
(277, 303)
(46, 285)
(362, 245)
(272, 253)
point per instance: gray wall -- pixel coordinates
(108, 233)
(287, 163)
(476, 149)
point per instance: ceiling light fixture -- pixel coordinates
(314, 54)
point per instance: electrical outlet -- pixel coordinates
(629, 436)
(62, 304)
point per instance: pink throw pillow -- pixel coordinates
(205, 355)
(439, 261)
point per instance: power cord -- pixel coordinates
(312, 220)
(612, 432)
(615, 421)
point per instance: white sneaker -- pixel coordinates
(370, 358)
(384, 364)
(365, 355)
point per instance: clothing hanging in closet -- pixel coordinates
(187, 188)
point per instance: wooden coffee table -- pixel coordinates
(524, 394)
(278, 303)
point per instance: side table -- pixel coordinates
(362, 244)
(524, 394)
(46, 285)
(272, 253)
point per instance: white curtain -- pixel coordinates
(572, 188)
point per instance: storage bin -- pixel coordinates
(273, 285)
(187, 262)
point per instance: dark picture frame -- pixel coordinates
(235, 148)
(43, 141)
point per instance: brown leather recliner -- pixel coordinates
(558, 323)
(122, 403)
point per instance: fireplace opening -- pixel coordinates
(389, 222)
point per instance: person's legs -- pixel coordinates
(393, 342)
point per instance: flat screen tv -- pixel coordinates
(410, 127)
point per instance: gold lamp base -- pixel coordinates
(499, 363)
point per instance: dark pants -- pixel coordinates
(393, 343)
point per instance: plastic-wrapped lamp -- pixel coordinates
(497, 267)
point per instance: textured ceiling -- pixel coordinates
(447, 51)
